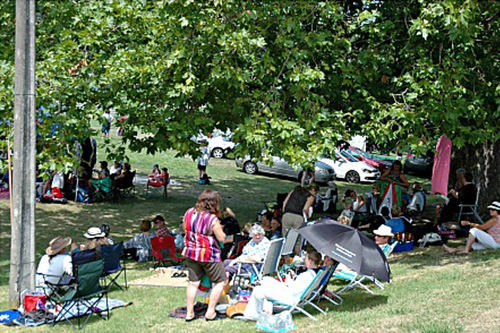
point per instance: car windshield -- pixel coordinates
(348, 156)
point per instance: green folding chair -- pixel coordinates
(84, 291)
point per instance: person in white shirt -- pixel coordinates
(203, 159)
(284, 292)
(55, 263)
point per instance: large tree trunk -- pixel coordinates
(483, 160)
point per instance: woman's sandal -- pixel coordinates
(216, 317)
(191, 319)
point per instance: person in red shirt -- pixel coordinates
(161, 229)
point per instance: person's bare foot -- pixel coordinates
(449, 249)
(464, 251)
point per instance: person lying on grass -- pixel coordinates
(482, 236)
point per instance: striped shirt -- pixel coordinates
(200, 242)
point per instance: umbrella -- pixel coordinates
(349, 247)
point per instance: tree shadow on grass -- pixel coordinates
(436, 256)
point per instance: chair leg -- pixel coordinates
(306, 313)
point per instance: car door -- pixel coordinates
(340, 165)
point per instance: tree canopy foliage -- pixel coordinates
(290, 78)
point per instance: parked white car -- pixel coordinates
(353, 171)
(220, 146)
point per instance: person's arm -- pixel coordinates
(404, 181)
(286, 200)
(309, 203)
(361, 204)
(218, 232)
(384, 176)
(485, 226)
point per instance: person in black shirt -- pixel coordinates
(296, 206)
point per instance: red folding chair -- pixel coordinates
(157, 186)
(160, 246)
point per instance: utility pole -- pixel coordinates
(22, 249)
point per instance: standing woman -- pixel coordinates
(296, 206)
(395, 177)
(203, 230)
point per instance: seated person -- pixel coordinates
(284, 292)
(96, 238)
(266, 223)
(126, 177)
(179, 237)
(253, 253)
(327, 202)
(154, 176)
(107, 229)
(466, 196)
(373, 199)
(482, 236)
(104, 166)
(55, 263)
(115, 169)
(104, 184)
(54, 185)
(396, 223)
(382, 236)
(417, 202)
(231, 243)
(140, 243)
(161, 229)
(357, 207)
(276, 232)
(344, 220)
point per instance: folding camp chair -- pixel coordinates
(269, 265)
(470, 210)
(112, 266)
(307, 297)
(291, 239)
(83, 292)
(321, 292)
(127, 189)
(158, 187)
(356, 280)
(237, 249)
(161, 245)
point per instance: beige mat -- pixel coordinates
(162, 277)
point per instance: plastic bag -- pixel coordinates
(281, 322)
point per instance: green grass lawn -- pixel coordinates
(430, 292)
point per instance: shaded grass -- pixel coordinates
(430, 291)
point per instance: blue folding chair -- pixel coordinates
(113, 268)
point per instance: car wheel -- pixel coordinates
(250, 168)
(352, 177)
(218, 153)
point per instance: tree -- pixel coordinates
(290, 78)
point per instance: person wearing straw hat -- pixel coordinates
(482, 236)
(55, 263)
(95, 239)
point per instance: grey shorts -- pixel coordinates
(214, 270)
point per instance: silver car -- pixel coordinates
(322, 171)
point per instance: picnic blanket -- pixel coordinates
(73, 313)
(163, 277)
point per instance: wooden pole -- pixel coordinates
(9, 168)
(22, 249)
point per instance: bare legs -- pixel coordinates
(191, 291)
(462, 250)
(214, 298)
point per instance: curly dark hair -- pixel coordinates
(208, 201)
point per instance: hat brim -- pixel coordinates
(383, 234)
(88, 236)
(53, 251)
(493, 207)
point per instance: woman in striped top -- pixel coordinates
(203, 230)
